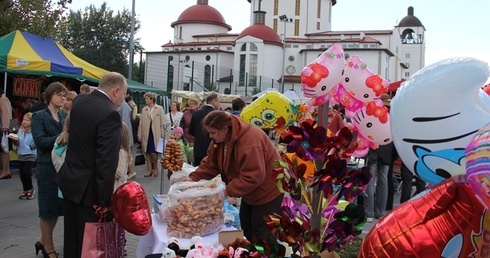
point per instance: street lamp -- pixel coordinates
(284, 18)
(131, 46)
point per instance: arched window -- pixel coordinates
(241, 76)
(207, 77)
(410, 37)
(244, 47)
(253, 47)
(170, 79)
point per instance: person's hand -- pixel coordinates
(139, 138)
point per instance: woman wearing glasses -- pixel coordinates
(47, 124)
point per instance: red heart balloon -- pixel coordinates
(130, 208)
(445, 222)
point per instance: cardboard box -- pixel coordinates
(227, 237)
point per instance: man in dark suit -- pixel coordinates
(201, 138)
(87, 176)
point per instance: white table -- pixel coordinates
(157, 239)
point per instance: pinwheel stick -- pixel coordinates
(322, 120)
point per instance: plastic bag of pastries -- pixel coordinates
(196, 208)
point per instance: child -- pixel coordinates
(178, 133)
(125, 158)
(27, 155)
(186, 149)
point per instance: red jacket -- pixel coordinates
(247, 167)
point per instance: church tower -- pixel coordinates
(412, 38)
(298, 13)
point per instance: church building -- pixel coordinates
(284, 37)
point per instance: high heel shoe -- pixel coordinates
(48, 255)
(155, 173)
(8, 176)
(40, 247)
(150, 173)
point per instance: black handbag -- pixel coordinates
(139, 160)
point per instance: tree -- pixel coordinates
(255, 90)
(100, 36)
(40, 17)
(139, 71)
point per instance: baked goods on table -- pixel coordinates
(196, 208)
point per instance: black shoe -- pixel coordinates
(40, 247)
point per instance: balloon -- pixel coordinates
(478, 165)
(448, 221)
(343, 97)
(130, 208)
(270, 111)
(373, 123)
(361, 82)
(436, 112)
(320, 76)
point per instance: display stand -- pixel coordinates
(157, 239)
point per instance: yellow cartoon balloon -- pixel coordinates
(270, 111)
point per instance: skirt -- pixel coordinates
(150, 146)
(50, 205)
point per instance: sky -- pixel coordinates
(453, 28)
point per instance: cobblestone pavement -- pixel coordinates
(19, 222)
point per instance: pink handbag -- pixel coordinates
(103, 239)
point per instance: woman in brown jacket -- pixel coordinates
(242, 154)
(150, 131)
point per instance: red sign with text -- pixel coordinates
(26, 88)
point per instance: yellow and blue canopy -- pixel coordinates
(25, 53)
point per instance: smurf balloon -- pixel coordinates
(435, 114)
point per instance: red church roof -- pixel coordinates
(267, 34)
(201, 13)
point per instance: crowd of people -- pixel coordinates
(100, 149)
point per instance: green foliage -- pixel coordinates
(101, 37)
(138, 75)
(40, 17)
(255, 90)
(211, 87)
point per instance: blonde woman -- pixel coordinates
(69, 101)
(134, 134)
(125, 158)
(150, 130)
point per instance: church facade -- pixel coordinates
(284, 37)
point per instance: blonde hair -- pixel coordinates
(71, 95)
(63, 138)
(196, 101)
(134, 109)
(125, 144)
(152, 96)
(28, 115)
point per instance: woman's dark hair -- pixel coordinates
(217, 119)
(176, 104)
(52, 89)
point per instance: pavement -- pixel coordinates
(19, 222)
